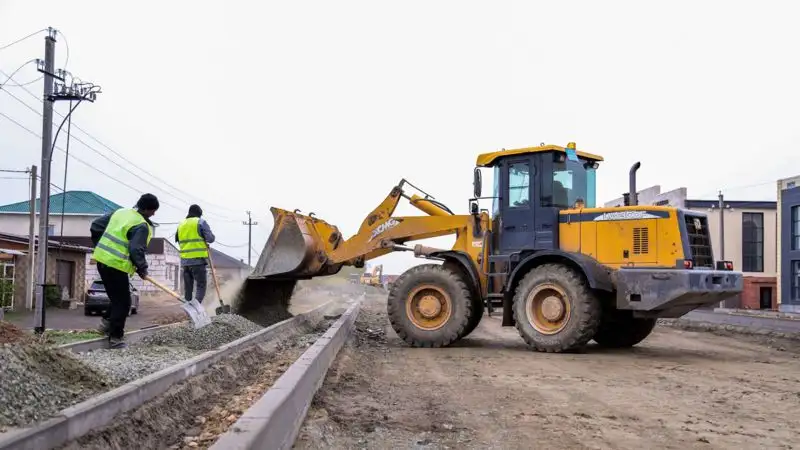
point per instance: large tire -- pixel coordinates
(429, 306)
(619, 329)
(476, 303)
(554, 309)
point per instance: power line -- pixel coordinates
(66, 44)
(230, 246)
(10, 77)
(106, 157)
(22, 39)
(162, 181)
(84, 162)
(736, 188)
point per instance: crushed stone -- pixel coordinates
(223, 329)
(132, 363)
(38, 381)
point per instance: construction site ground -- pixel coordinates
(678, 389)
(153, 310)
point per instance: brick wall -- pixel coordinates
(751, 294)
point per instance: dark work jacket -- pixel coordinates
(137, 239)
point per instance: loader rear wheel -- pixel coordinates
(476, 303)
(429, 306)
(619, 329)
(554, 309)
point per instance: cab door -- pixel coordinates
(516, 209)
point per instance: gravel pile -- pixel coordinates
(124, 366)
(223, 329)
(10, 333)
(37, 381)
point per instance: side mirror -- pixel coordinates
(477, 183)
(474, 208)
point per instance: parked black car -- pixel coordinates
(96, 300)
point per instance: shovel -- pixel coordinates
(222, 308)
(192, 308)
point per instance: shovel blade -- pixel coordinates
(197, 314)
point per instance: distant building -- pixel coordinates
(751, 238)
(789, 244)
(66, 267)
(80, 209)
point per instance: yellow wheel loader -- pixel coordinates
(565, 271)
(373, 278)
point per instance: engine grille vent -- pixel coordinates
(641, 241)
(699, 239)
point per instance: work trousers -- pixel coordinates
(117, 284)
(191, 275)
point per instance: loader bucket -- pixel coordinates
(297, 249)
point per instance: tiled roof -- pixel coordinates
(75, 202)
(51, 244)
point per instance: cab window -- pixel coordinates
(573, 181)
(519, 185)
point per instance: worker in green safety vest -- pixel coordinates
(193, 236)
(120, 244)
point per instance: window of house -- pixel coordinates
(795, 227)
(519, 182)
(6, 284)
(795, 280)
(752, 242)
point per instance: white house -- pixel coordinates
(80, 209)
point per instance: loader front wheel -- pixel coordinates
(619, 329)
(429, 306)
(554, 309)
(476, 302)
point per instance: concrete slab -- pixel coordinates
(77, 420)
(274, 421)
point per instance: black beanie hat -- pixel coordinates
(147, 202)
(195, 211)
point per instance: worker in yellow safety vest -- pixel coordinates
(193, 236)
(120, 244)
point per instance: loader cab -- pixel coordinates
(531, 186)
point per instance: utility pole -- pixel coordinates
(52, 93)
(31, 241)
(249, 224)
(721, 226)
(44, 195)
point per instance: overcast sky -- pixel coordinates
(324, 106)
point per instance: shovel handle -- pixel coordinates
(213, 273)
(163, 288)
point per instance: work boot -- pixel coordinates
(117, 343)
(105, 325)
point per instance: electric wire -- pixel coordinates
(22, 39)
(106, 157)
(11, 77)
(122, 157)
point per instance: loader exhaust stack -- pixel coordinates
(297, 249)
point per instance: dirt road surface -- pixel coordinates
(676, 390)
